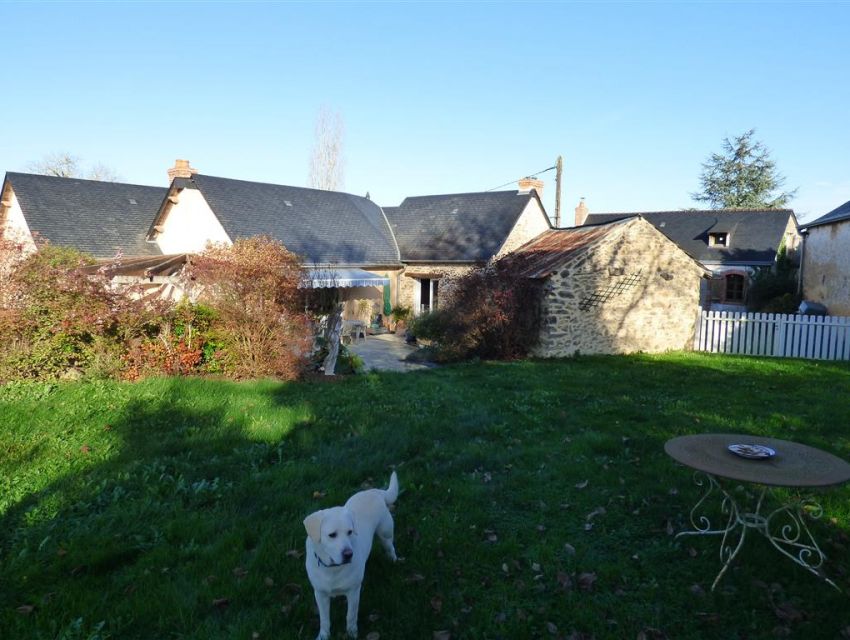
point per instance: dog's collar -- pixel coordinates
(321, 563)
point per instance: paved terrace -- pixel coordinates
(385, 352)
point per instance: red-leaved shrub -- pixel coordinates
(492, 313)
(253, 288)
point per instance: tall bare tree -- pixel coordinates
(66, 165)
(327, 162)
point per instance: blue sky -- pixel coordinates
(439, 97)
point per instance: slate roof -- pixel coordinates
(100, 218)
(838, 214)
(460, 227)
(323, 227)
(754, 234)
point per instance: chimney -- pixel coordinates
(581, 213)
(528, 183)
(181, 169)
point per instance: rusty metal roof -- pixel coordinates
(549, 251)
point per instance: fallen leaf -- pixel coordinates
(586, 581)
(788, 612)
(240, 573)
(541, 528)
(374, 635)
(535, 566)
(598, 511)
(255, 635)
(551, 628)
(269, 582)
(437, 604)
(651, 633)
(692, 552)
(85, 448)
(25, 609)
(570, 549)
(319, 494)
(564, 580)
(221, 603)
(374, 617)
(697, 590)
(443, 634)
(294, 553)
(582, 484)
(415, 577)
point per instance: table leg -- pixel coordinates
(785, 527)
(794, 539)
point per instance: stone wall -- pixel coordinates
(409, 279)
(826, 267)
(654, 311)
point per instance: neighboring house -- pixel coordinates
(616, 287)
(826, 260)
(101, 218)
(445, 236)
(732, 243)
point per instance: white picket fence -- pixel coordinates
(773, 334)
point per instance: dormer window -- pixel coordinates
(719, 239)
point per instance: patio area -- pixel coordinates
(385, 352)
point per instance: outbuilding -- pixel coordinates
(617, 287)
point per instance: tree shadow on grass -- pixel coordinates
(192, 528)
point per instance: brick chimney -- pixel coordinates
(181, 169)
(528, 183)
(581, 213)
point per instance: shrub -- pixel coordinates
(253, 288)
(58, 319)
(487, 313)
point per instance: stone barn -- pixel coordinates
(618, 287)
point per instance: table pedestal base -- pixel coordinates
(785, 527)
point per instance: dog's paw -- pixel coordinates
(324, 635)
(352, 632)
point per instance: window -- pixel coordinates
(735, 287)
(426, 297)
(718, 239)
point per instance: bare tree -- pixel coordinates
(327, 163)
(66, 165)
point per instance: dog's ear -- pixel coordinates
(352, 521)
(313, 524)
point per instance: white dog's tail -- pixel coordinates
(391, 494)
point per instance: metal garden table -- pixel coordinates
(795, 466)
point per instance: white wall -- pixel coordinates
(826, 267)
(189, 225)
(530, 224)
(16, 228)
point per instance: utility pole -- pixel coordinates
(559, 166)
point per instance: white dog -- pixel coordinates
(339, 541)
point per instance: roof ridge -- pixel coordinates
(727, 210)
(469, 193)
(106, 182)
(287, 186)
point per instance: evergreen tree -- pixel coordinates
(743, 176)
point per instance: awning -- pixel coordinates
(342, 278)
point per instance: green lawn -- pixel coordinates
(536, 502)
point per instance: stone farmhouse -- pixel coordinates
(347, 241)
(826, 260)
(628, 283)
(613, 287)
(732, 243)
